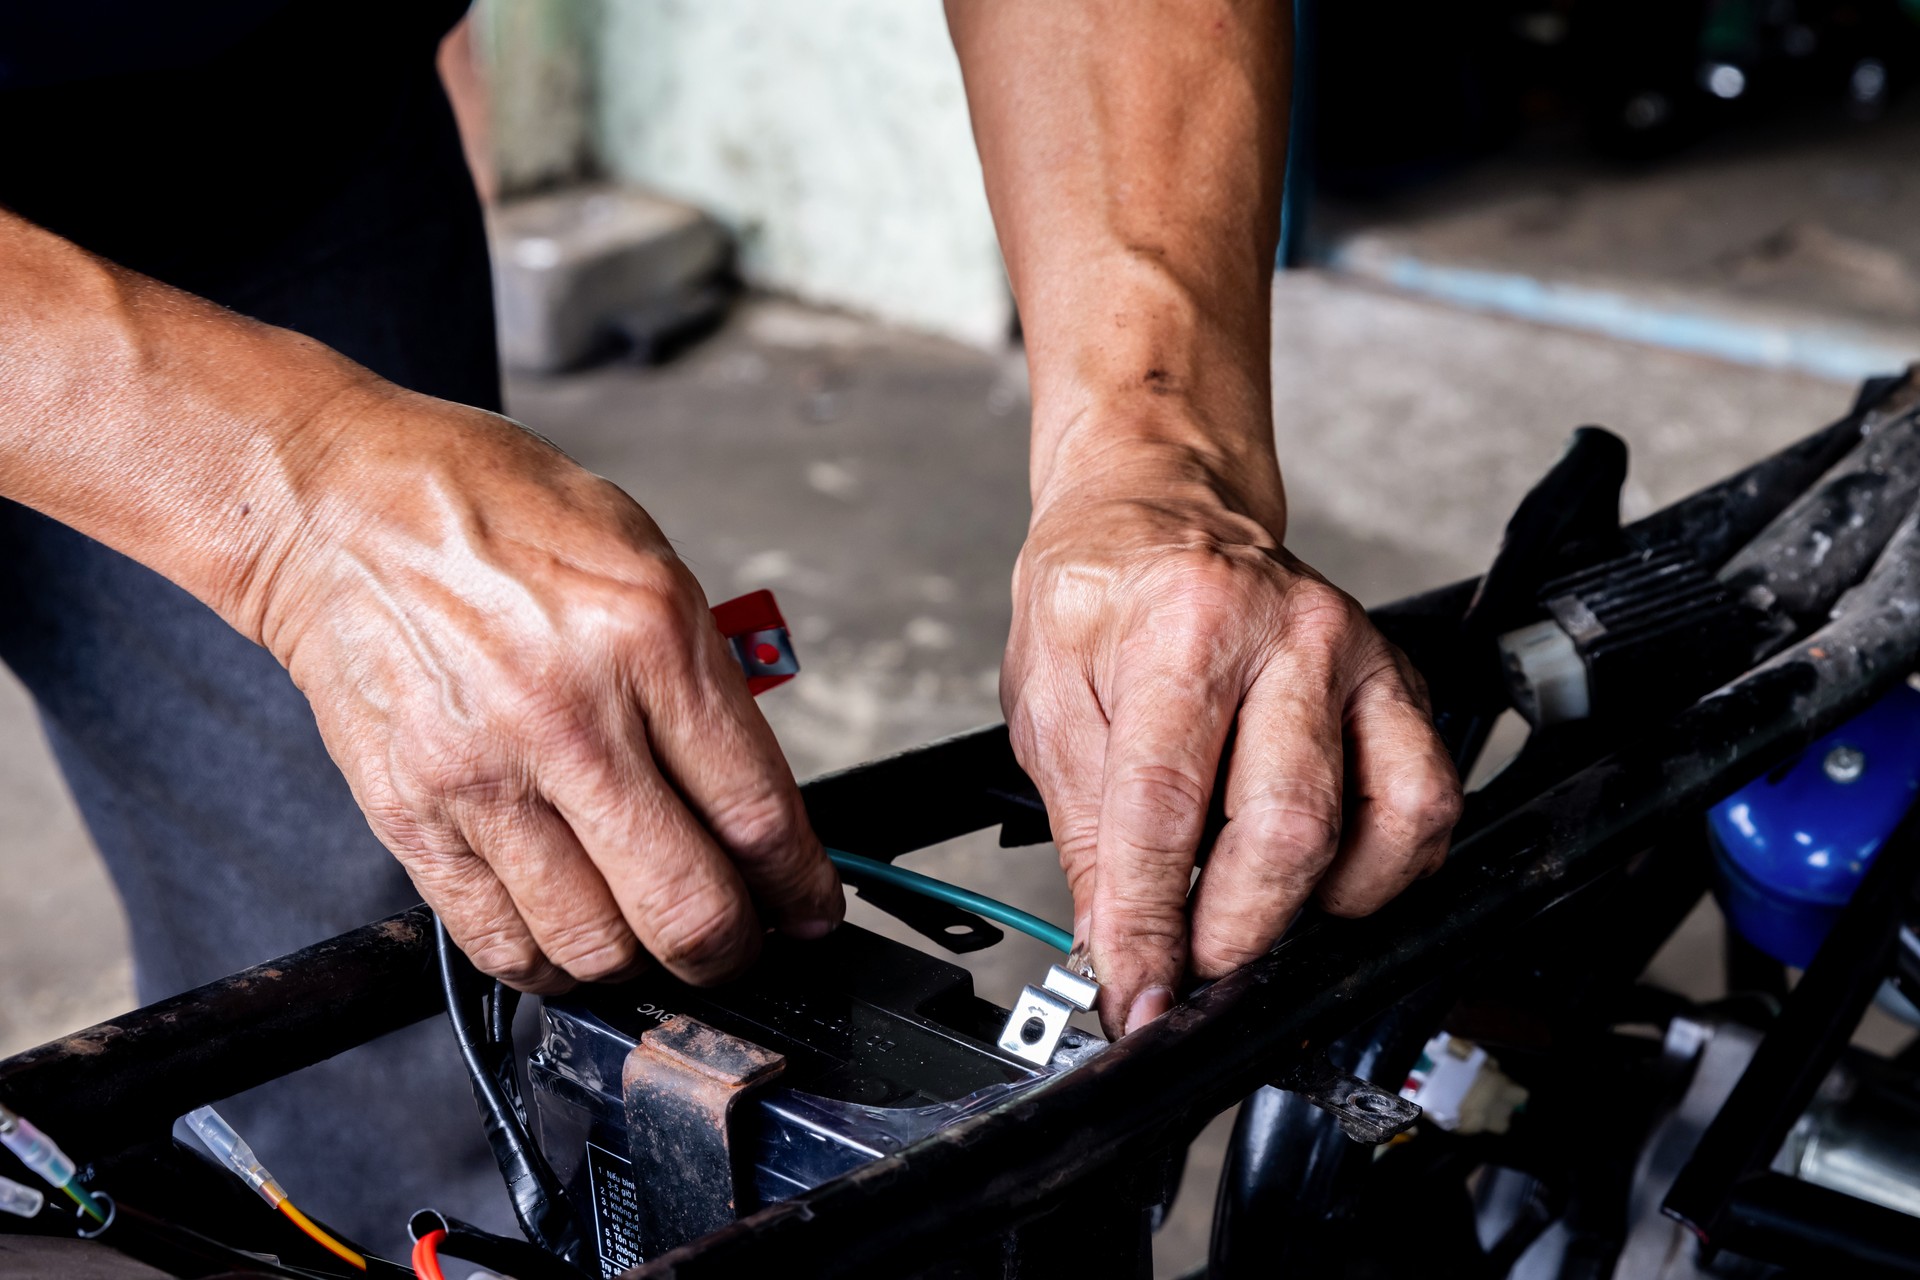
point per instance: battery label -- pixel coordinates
(616, 1210)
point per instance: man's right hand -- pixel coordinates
(525, 689)
(518, 677)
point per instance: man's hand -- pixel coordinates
(1164, 642)
(524, 687)
(519, 679)
(1163, 638)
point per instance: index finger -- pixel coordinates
(1163, 753)
(708, 737)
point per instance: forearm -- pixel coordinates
(516, 675)
(176, 432)
(1133, 157)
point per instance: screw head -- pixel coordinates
(1845, 764)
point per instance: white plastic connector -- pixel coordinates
(1461, 1088)
(1545, 674)
(232, 1150)
(20, 1201)
(35, 1149)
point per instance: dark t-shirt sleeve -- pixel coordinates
(191, 155)
(45, 42)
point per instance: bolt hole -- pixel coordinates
(1031, 1030)
(958, 930)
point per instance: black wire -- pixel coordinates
(178, 1250)
(500, 1011)
(484, 1035)
(499, 1056)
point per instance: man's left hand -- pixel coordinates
(1164, 638)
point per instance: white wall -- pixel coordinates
(830, 135)
(538, 64)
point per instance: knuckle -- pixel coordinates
(1356, 894)
(1237, 920)
(1288, 880)
(594, 952)
(568, 727)
(510, 956)
(1142, 921)
(647, 611)
(1138, 943)
(433, 765)
(1428, 802)
(1415, 682)
(401, 827)
(457, 769)
(1157, 806)
(434, 853)
(1035, 728)
(1078, 865)
(1320, 614)
(1203, 598)
(703, 934)
(1076, 836)
(759, 827)
(1297, 836)
(1216, 953)
(1349, 904)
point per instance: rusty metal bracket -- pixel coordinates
(682, 1082)
(1366, 1113)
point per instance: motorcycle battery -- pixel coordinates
(882, 1045)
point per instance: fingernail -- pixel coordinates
(1147, 1006)
(811, 930)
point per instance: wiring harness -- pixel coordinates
(232, 1150)
(435, 1234)
(481, 1012)
(39, 1153)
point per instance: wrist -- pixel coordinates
(1166, 456)
(1154, 384)
(312, 474)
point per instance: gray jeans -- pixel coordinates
(229, 833)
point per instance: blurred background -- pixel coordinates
(745, 268)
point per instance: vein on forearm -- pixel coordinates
(155, 422)
(1133, 155)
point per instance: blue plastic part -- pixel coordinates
(1791, 847)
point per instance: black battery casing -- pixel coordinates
(884, 1044)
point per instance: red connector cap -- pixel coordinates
(758, 636)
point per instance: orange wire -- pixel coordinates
(426, 1256)
(318, 1235)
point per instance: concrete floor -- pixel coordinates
(1803, 236)
(876, 481)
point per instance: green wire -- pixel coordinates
(82, 1197)
(857, 868)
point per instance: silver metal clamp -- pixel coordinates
(1039, 1016)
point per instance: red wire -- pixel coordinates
(426, 1256)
